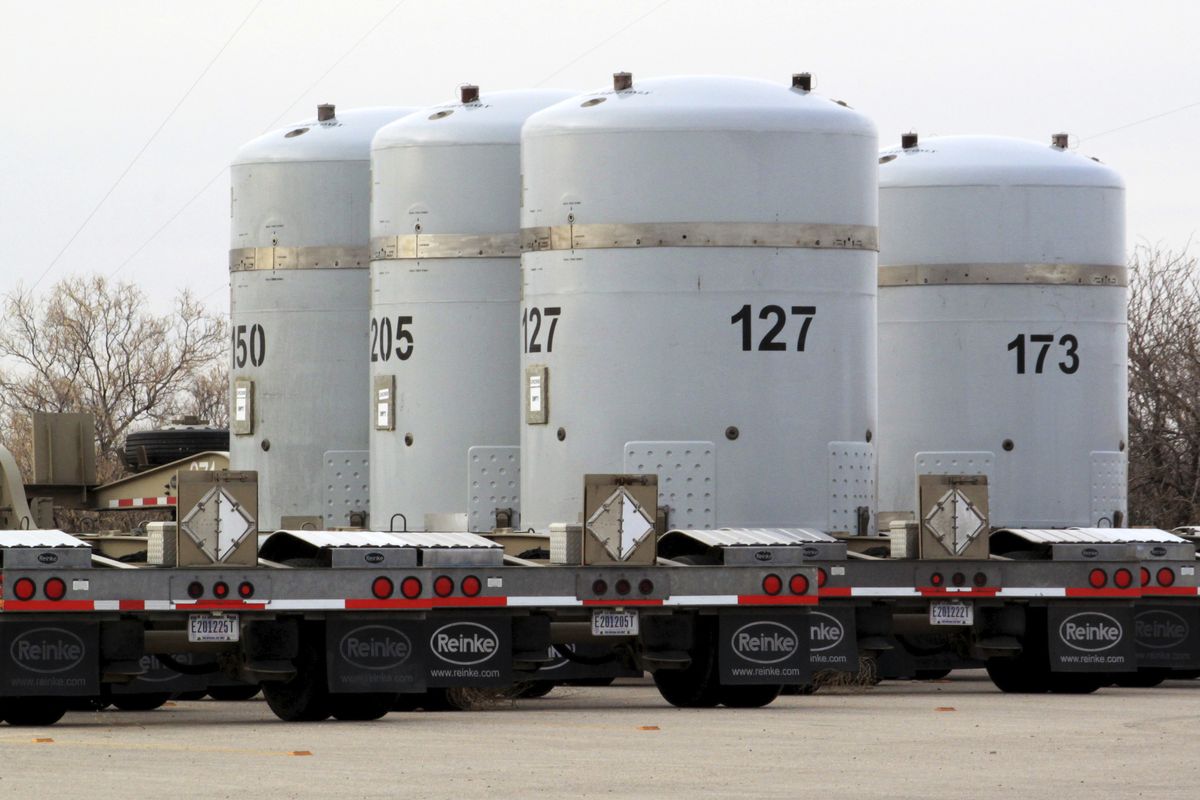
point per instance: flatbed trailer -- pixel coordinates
(420, 611)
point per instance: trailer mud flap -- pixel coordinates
(469, 651)
(49, 658)
(1091, 637)
(1167, 636)
(370, 654)
(833, 641)
(160, 678)
(757, 648)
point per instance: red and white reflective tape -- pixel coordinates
(142, 502)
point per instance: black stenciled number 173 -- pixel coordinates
(1068, 348)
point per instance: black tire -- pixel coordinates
(407, 702)
(1142, 679)
(535, 689)
(698, 685)
(25, 712)
(930, 674)
(440, 699)
(361, 707)
(98, 703)
(188, 697)
(1184, 674)
(1028, 672)
(749, 696)
(140, 702)
(233, 694)
(304, 698)
(163, 446)
(1077, 682)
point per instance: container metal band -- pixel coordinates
(701, 234)
(445, 245)
(246, 259)
(1006, 274)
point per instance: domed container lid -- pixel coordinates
(330, 136)
(990, 161)
(699, 103)
(492, 118)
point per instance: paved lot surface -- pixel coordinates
(954, 738)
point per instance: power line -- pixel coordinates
(601, 43)
(1139, 122)
(268, 127)
(146, 145)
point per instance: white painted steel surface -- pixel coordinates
(305, 355)
(645, 345)
(446, 172)
(948, 354)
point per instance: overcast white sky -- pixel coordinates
(85, 84)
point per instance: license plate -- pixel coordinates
(614, 623)
(211, 628)
(951, 612)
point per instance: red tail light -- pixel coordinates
(410, 588)
(1098, 579)
(55, 589)
(382, 587)
(646, 586)
(220, 590)
(772, 584)
(936, 579)
(443, 586)
(1166, 576)
(1145, 576)
(24, 588)
(980, 579)
(798, 584)
(599, 586)
(623, 587)
(195, 590)
(471, 586)
(822, 577)
(1123, 578)
(246, 590)
(959, 579)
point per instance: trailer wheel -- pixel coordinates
(534, 689)
(361, 707)
(139, 702)
(1018, 675)
(1142, 679)
(442, 699)
(191, 696)
(930, 674)
(754, 696)
(304, 698)
(407, 702)
(233, 694)
(32, 711)
(1077, 682)
(697, 685)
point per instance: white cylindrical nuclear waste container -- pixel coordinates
(699, 302)
(445, 281)
(298, 312)
(1002, 327)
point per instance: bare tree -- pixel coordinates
(92, 345)
(1164, 389)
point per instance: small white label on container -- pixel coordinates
(241, 404)
(495, 583)
(535, 394)
(382, 408)
(80, 586)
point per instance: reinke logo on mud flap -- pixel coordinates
(47, 650)
(464, 643)
(375, 647)
(765, 642)
(1090, 631)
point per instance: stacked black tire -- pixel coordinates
(146, 449)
